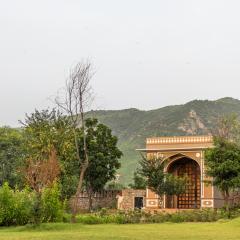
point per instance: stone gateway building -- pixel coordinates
(184, 156)
(181, 156)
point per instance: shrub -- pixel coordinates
(25, 206)
(97, 218)
(6, 205)
(133, 216)
(90, 219)
(177, 218)
(16, 206)
(124, 217)
(24, 201)
(51, 206)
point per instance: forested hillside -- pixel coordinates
(132, 126)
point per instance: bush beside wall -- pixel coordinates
(17, 207)
(52, 207)
(129, 217)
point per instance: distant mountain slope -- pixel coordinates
(133, 126)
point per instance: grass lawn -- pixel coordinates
(215, 231)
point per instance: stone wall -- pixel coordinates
(127, 198)
(122, 200)
(104, 199)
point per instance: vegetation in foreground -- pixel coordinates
(137, 216)
(24, 207)
(188, 231)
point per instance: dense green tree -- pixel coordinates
(103, 154)
(223, 164)
(44, 130)
(223, 161)
(11, 155)
(47, 130)
(159, 181)
(139, 182)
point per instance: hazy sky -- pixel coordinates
(147, 54)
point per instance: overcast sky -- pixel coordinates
(146, 54)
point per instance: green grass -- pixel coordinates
(229, 230)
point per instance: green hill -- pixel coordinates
(133, 126)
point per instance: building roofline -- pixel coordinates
(180, 139)
(171, 149)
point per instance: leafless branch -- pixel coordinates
(76, 101)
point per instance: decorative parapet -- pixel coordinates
(180, 140)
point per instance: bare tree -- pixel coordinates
(76, 100)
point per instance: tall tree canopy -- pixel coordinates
(223, 164)
(48, 131)
(44, 130)
(11, 155)
(103, 154)
(223, 161)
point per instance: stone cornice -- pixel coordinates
(179, 140)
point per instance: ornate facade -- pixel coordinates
(184, 156)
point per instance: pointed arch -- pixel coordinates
(176, 156)
(182, 165)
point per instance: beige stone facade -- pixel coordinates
(130, 199)
(184, 156)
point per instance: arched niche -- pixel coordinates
(183, 166)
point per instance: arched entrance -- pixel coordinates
(192, 196)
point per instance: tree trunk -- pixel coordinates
(84, 164)
(82, 171)
(37, 209)
(226, 202)
(79, 188)
(90, 199)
